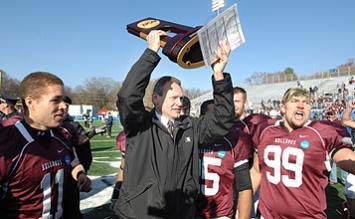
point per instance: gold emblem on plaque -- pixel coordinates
(147, 24)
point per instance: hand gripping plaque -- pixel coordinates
(183, 48)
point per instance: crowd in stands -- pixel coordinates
(337, 99)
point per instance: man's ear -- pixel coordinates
(154, 98)
(282, 108)
(29, 102)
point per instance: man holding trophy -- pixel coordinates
(161, 172)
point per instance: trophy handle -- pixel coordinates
(183, 48)
(163, 39)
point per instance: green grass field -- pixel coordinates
(335, 198)
(104, 151)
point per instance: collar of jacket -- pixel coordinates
(183, 122)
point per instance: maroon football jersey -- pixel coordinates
(11, 121)
(217, 175)
(254, 124)
(36, 173)
(293, 168)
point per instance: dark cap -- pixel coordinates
(8, 99)
(67, 100)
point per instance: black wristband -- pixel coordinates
(115, 194)
(118, 185)
(80, 172)
(242, 178)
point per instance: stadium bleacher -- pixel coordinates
(264, 92)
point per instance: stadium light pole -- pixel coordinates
(217, 5)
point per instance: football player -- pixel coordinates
(294, 156)
(224, 169)
(247, 125)
(35, 158)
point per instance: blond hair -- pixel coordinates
(295, 92)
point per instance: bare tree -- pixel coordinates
(9, 86)
(97, 91)
(256, 78)
(192, 93)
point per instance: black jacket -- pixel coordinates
(161, 172)
(80, 142)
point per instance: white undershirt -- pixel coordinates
(163, 119)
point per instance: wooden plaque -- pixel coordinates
(182, 47)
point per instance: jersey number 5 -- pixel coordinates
(205, 175)
(281, 158)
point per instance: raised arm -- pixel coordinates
(341, 148)
(347, 121)
(218, 67)
(345, 159)
(130, 97)
(213, 126)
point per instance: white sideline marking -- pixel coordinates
(103, 140)
(101, 158)
(117, 158)
(100, 194)
(98, 152)
(101, 191)
(115, 164)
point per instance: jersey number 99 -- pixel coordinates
(281, 159)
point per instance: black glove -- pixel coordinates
(95, 131)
